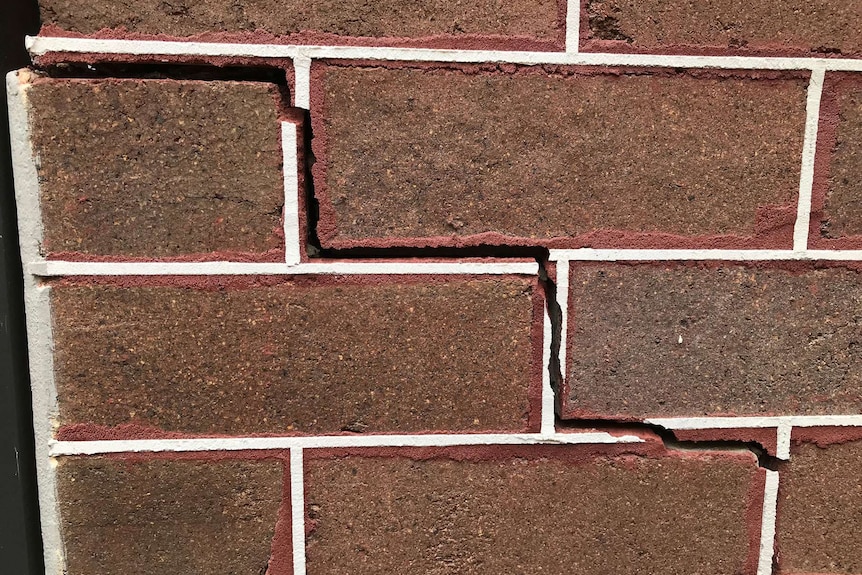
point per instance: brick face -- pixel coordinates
(555, 156)
(754, 340)
(159, 168)
(163, 517)
(306, 355)
(529, 510)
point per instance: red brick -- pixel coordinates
(754, 340)
(478, 23)
(819, 521)
(539, 509)
(139, 517)
(438, 156)
(775, 27)
(297, 355)
(159, 168)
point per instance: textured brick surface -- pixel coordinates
(820, 510)
(533, 19)
(529, 510)
(301, 354)
(685, 340)
(440, 156)
(823, 26)
(158, 168)
(166, 517)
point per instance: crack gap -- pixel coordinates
(555, 313)
(312, 205)
(483, 251)
(172, 71)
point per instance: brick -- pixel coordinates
(531, 510)
(776, 27)
(139, 517)
(159, 168)
(555, 156)
(298, 355)
(819, 502)
(531, 22)
(656, 340)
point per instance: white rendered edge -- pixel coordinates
(292, 239)
(60, 448)
(547, 425)
(745, 422)
(302, 82)
(562, 279)
(767, 524)
(297, 510)
(809, 147)
(573, 26)
(38, 318)
(41, 45)
(46, 268)
(783, 434)
(610, 255)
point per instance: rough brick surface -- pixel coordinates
(529, 510)
(162, 517)
(555, 156)
(327, 20)
(685, 340)
(301, 354)
(778, 26)
(819, 510)
(159, 168)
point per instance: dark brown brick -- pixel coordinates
(300, 354)
(555, 156)
(819, 517)
(531, 510)
(137, 517)
(326, 20)
(753, 341)
(159, 168)
(776, 26)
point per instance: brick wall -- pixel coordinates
(477, 287)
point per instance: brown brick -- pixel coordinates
(324, 21)
(138, 517)
(548, 510)
(555, 156)
(772, 26)
(720, 339)
(159, 168)
(819, 518)
(300, 354)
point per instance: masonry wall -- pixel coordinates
(478, 287)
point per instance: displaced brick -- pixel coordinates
(299, 354)
(436, 156)
(159, 168)
(324, 21)
(819, 510)
(772, 26)
(718, 339)
(531, 510)
(139, 517)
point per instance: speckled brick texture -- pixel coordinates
(567, 510)
(298, 355)
(163, 517)
(658, 340)
(165, 169)
(776, 27)
(437, 156)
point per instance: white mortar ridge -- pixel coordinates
(614, 254)
(297, 510)
(767, 524)
(573, 26)
(782, 438)
(59, 448)
(41, 45)
(809, 147)
(547, 422)
(745, 422)
(302, 82)
(292, 240)
(562, 280)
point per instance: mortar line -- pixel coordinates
(41, 45)
(767, 524)
(302, 82)
(573, 26)
(756, 421)
(783, 434)
(547, 426)
(297, 510)
(809, 148)
(613, 254)
(38, 320)
(292, 239)
(562, 278)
